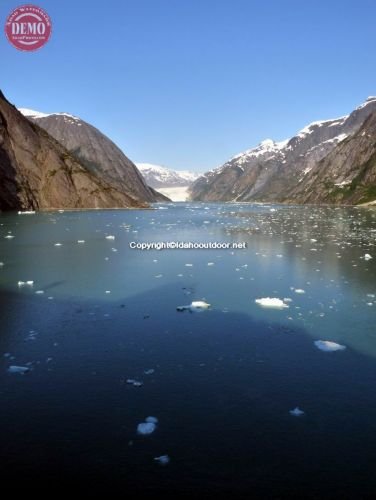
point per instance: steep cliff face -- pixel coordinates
(96, 152)
(37, 172)
(347, 175)
(284, 172)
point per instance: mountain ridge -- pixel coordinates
(272, 171)
(37, 172)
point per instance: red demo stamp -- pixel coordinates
(28, 27)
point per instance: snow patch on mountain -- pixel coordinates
(158, 176)
(38, 114)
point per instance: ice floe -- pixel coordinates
(163, 459)
(272, 303)
(110, 237)
(18, 369)
(195, 306)
(28, 283)
(329, 346)
(367, 256)
(296, 412)
(134, 382)
(147, 427)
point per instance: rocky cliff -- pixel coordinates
(96, 152)
(37, 172)
(326, 162)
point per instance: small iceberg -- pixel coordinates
(367, 256)
(272, 303)
(195, 306)
(110, 237)
(26, 212)
(18, 369)
(149, 372)
(135, 383)
(28, 283)
(296, 412)
(328, 346)
(163, 459)
(299, 290)
(147, 427)
(9, 236)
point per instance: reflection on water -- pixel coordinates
(221, 382)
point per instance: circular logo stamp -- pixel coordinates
(28, 27)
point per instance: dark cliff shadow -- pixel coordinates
(222, 388)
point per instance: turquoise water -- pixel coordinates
(220, 382)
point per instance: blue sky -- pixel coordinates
(190, 83)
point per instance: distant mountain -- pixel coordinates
(309, 168)
(157, 176)
(38, 172)
(96, 152)
(172, 183)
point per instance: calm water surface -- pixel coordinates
(221, 383)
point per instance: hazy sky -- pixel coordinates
(190, 83)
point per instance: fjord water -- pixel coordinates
(222, 382)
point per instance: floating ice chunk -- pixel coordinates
(26, 212)
(1, 264)
(28, 283)
(163, 459)
(9, 236)
(296, 412)
(188, 265)
(80, 241)
(18, 369)
(149, 372)
(146, 428)
(108, 291)
(195, 306)
(135, 383)
(151, 420)
(328, 346)
(299, 290)
(39, 292)
(209, 264)
(272, 303)
(110, 237)
(367, 256)
(199, 304)
(58, 244)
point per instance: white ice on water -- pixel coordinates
(163, 459)
(195, 306)
(18, 369)
(272, 303)
(147, 427)
(329, 346)
(296, 412)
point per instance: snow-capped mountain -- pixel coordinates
(37, 172)
(96, 151)
(157, 176)
(278, 171)
(172, 183)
